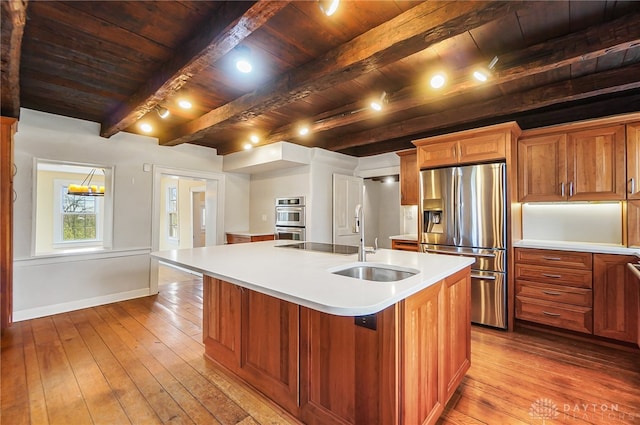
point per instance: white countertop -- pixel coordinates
(577, 246)
(405, 237)
(304, 277)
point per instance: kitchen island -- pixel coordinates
(332, 349)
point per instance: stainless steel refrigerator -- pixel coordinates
(464, 213)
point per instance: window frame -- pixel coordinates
(59, 186)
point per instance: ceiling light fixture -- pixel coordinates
(243, 63)
(146, 127)
(86, 188)
(438, 80)
(482, 74)
(184, 104)
(162, 111)
(247, 146)
(328, 7)
(378, 104)
(303, 131)
(254, 139)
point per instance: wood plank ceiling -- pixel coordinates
(113, 62)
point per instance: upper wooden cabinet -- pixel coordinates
(408, 177)
(633, 160)
(466, 147)
(581, 165)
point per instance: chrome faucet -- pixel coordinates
(362, 250)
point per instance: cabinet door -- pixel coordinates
(633, 160)
(437, 154)
(7, 129)
(456, 330)
(596, 165)
(633, 224)
(221, 321)
(408, 177)
(615, 303)
(484, 148)
(269, 360)
(542, 172)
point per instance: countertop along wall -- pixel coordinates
(51, 284)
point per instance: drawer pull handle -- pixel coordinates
(552, 258)
(555, 276)
(551, 293)
(551, 314)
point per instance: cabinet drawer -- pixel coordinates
(574, 318)
(554, 258)
(404, 245)
(554, 275)
(561, 294)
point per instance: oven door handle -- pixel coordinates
(466, 254)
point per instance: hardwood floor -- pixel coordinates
(141, 362)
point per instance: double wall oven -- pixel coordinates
(290, 218)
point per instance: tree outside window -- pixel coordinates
(79, 217)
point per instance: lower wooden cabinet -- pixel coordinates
(615, 302)
(398, 366)
(245, 238)
(578, 291)
(404, 245)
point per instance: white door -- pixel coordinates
(347, 193)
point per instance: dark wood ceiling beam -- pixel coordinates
(15, 17)
(201, 51)
(406, 34)
(607, 82)
(596, 41)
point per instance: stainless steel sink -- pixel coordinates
(376, 273)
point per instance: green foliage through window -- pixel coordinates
(78, 217)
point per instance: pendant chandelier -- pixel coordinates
(86, 188)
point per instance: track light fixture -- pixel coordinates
(378, 104)
(162, 111)
(482, 74)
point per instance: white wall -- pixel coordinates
(46, 285)
(573, 222)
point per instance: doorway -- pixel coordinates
(199, 217)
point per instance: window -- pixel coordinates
(67, 222)
(172, 212)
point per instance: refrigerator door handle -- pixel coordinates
(457, 201)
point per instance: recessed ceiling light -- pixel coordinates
(146, 127)
(254, 139)
(303, 131)
(247, 146)
(243, 59)
(329, 7)
(438, 80)
(184, 104)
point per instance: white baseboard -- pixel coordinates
(48, 310)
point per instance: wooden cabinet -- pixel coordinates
(542, 169)
(245, 238)
(402, 372)
(404, 245)
(467, 147)
(633, 160)
(255, 336)
(7, 170)
(554, 288)
(409, 179)
(579, 165)
(615, 301)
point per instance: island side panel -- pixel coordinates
(422, 395)
(221, 322)
(269, 355)
(456, 331)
